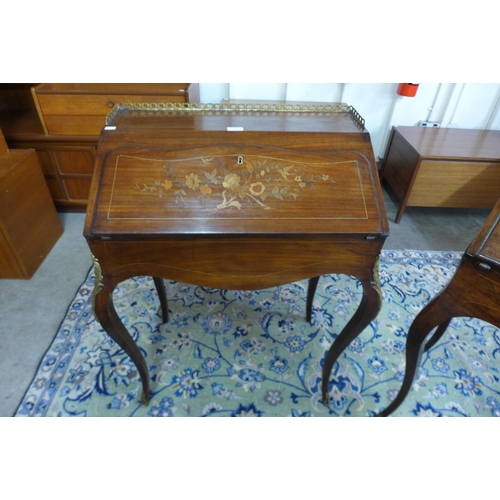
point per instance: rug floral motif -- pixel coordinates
(252, 353)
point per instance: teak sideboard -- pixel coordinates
(442, 167)
(62, 122)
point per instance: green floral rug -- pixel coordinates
(251, 353)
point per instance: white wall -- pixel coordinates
(470, 105)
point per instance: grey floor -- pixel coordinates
(32, 310)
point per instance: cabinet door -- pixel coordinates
(68, 171)
(75, 161)
(74, 167)
(49, 170)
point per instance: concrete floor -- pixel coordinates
(32, 310)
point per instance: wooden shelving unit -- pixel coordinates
(61, 122)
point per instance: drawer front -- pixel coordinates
(74, 125)
(94, 104)
(248, 263)
(458, 184)
(86, 114)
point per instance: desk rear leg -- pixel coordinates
(311, 290)
(162, 294)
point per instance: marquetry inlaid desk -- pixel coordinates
(230, 196)
(474, 291)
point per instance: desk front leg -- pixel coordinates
(367, 311)
(471, 292)
(105, 313)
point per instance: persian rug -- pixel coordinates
(252, 354)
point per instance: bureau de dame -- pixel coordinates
(235, 196)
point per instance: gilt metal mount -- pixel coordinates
(98, 286)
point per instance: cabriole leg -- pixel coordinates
(430, 317)
(437, 335)
(367, 311)
(311, 290)
(162, 294)
(105, 313)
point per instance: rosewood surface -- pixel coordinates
(234, 200)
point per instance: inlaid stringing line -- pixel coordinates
(236, 218)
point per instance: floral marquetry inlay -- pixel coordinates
(236, 182)
(224, 183)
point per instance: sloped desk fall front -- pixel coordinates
(234, 198)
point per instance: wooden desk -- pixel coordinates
(474, 291)
(442, 167)
(234, 197)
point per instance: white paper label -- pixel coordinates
(235, 129)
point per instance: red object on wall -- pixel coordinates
(408, 89)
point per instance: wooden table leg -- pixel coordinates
(162, 294)
(367, 311)
(453, 301)
(437, 335)
(429, 317)
(401, 209)
(311, 290)
(105, 313)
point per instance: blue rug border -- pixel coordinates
(72, 301)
